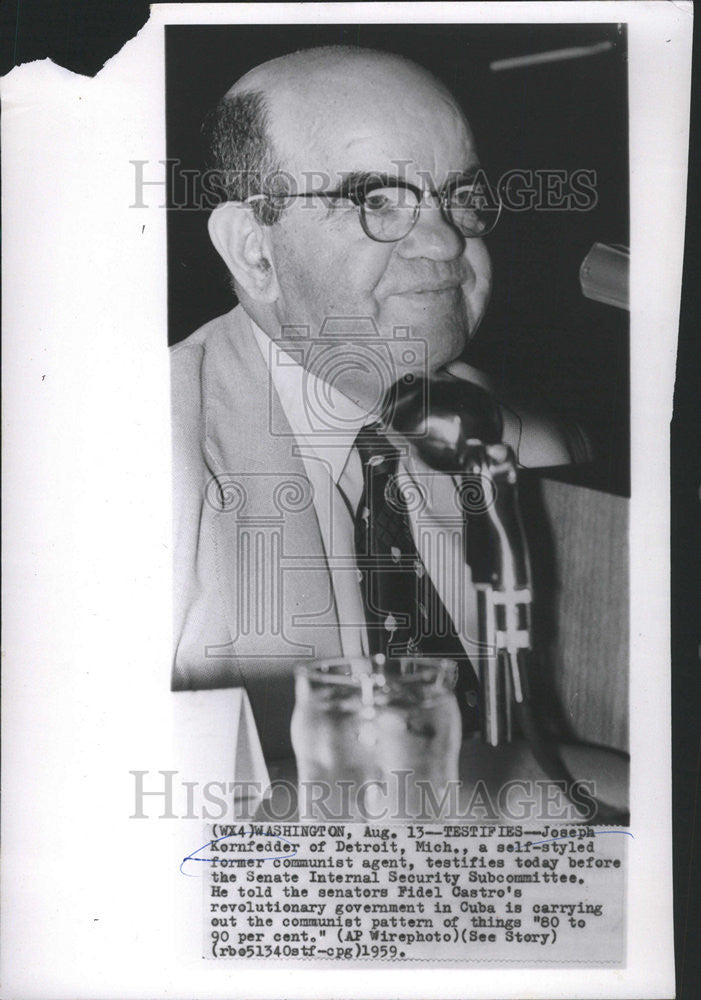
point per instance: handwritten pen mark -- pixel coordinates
(569, 836)
(229, 836)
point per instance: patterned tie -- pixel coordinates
(405, 616)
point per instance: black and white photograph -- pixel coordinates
(401, 455)
(338, 386)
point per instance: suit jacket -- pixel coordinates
(253, 590)
(253, 593)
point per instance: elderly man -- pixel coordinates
(370, 269)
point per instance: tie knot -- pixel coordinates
(375, 451)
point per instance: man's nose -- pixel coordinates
(433, 235)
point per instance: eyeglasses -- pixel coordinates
(390, 208)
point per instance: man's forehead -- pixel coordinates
(414, 142)
(363, 112)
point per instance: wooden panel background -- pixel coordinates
(579, 550)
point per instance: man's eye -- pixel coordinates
(339, 205)
(380, 201)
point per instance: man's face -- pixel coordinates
(390, 119)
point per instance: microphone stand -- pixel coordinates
(497, 552)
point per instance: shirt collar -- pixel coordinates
(322, 418)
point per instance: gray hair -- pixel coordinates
(241, 153)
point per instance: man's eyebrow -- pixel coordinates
(361, 178)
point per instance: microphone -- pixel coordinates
(604, 275)
(456, 427)
(443, 418)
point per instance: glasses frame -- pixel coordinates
(358, 193)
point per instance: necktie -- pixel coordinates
(405, 615)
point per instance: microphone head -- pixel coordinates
(443, 417)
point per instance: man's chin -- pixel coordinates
(423, 343)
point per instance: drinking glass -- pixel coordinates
(376, 738)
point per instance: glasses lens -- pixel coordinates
(388, 213)
(474, 208)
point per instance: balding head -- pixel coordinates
(321, 104)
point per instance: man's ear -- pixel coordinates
(241, 241)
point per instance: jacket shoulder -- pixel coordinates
(190, 351)
(203, 348)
